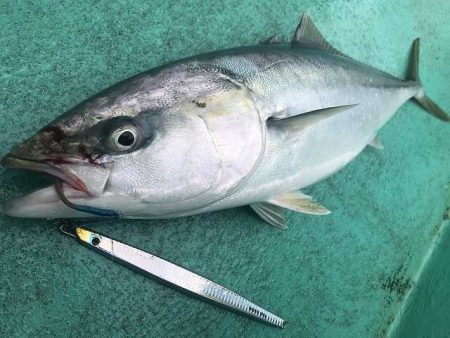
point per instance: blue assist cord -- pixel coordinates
(84, 208)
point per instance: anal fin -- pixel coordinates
(376, 143)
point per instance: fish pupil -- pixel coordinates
(126, 139)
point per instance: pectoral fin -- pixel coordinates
(271, 214)
(298, 201)
(307, 119)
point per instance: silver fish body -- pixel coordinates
(224, 129)
(290, 82)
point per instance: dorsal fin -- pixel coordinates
(308, 36)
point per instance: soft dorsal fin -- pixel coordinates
(307, 35)
(298, 201)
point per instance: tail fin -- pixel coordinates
(421, 98)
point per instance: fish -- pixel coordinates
(248, 126)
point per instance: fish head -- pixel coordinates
(158, 145)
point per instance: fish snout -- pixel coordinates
(40, 147)
(50, 145)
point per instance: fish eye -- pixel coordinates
(124, 138)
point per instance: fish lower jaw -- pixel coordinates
(45, 203)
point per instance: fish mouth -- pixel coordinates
(13, 162)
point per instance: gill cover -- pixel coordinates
(222, 136)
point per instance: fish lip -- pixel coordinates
(14, 162)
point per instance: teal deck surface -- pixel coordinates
(377, 266)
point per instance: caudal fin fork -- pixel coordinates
(421, 98)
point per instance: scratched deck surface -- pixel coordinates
(342, 275)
